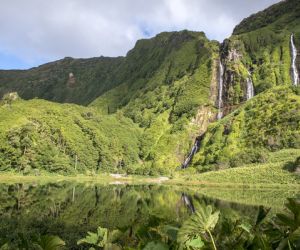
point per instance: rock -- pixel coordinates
(71, 81)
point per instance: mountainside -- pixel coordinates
(39, 136)
(259, 51)
(82, 80)
(160, 107)
(269, 122)
(175, 105)
(67, 80)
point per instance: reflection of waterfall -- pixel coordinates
(250, 88)
(73, 194)
(294, 57)
(188, 202)
(191, 154)
(220, 101)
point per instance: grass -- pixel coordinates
(258, 175)
(104, 178)
(274, 197)
(269, 175)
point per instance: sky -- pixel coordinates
(34, 32)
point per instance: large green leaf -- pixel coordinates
(91, 238)
(295, 236)
(261, 242)
(245, 226)
(97, 239)
(203, 221)
(262, 214)
(196, 243)
(49, 242)
(287, 220)
(103, 238)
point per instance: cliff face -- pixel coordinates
(260, 51)
(257, 58)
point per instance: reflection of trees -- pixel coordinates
(69, 210)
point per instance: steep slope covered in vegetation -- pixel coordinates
(68, 80)
(169, 96)
(146, 110)
(260, 50)
(82, 80)
(39, 136)
(268, 122)
(175, 104)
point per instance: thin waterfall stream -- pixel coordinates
(196, 145)
(294, 58)
(250, 88)
(220, 94)
(191, 154)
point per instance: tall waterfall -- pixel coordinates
(220, 100)
(191, 154)
(294, 57)
(250, 88)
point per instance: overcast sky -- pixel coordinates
(33, 32)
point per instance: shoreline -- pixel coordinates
(111, 179)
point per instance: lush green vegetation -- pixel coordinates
(144, 111)
(268, 122)
(164, 104)
(52, 81)
(255, 175)
(285, 11)
(142, 114)
(38, 136)
(260, 49)
(140, 217)
(160, 97)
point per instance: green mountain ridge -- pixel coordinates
(144, 111)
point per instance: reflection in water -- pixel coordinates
(73, 194)
(70, 211)
(188, 202)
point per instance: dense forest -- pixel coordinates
(237, 102)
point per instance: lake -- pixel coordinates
(69, 209)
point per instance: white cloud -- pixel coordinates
(38, 30)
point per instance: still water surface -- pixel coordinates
(70, 210)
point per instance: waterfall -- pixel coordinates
(220, 101)
(294, 57)
(191, 155)
(250, 88)
(188, 202)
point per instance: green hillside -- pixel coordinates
(266, 123)
(67, 80)
(260, 49)
(142, 113)
(83, 80)
(181, 91)
(38, 136)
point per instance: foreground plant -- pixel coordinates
(288, 226)
(197, 229)
(45, 242)
(102, 239)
